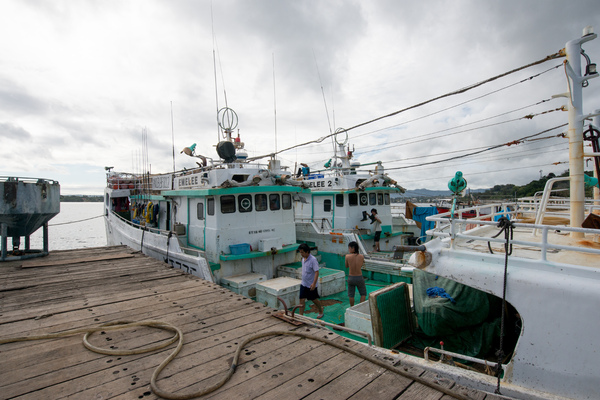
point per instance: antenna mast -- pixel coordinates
(173, 135)
(275, 104)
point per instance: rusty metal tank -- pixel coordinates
(26, 204)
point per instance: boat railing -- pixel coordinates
(320, 225)
(455, 228)
(162, 232)
(27, 180)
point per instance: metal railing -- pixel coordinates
(457, 227)
(159, 232)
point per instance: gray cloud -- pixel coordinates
(10, 131)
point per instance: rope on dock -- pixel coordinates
(178, 336)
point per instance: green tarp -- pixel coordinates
(470, 326)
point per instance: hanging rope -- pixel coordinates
(507, 227)
(73, 222)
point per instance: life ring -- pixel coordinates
(245, 204)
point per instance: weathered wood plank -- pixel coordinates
(91, 286)
(50, 263)
(423, 392)
(388, 385)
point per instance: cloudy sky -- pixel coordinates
(81, 81)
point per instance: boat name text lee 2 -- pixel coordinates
(323, 184)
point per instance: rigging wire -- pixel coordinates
(490, 172)
(465, 102)
(463, 150)
(456, 92)
(463, 90)
(479, 151)
(427, 136)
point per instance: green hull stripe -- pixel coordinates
(257, 254)
(235, 190)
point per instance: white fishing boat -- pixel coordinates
(221, 219)
(523, 281)
(515, 315)
(337, 211)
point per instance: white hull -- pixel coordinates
(155, 245)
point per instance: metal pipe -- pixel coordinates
(342, 328)
(456, 355)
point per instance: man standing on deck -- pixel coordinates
(377, 229)
(354, 262)
(310, 280)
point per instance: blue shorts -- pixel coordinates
(306, 293)
(356, 282)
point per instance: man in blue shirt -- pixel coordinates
(310, 280)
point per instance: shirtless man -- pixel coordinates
(354, 262)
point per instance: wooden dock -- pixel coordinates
(87, 287)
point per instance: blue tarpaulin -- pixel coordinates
(419, 214)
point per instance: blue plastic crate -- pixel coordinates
(237, 249)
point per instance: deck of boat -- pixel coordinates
(532, 250)
(87, 287)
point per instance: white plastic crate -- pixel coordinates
(267, 244)
(358, 317)
(286, 288)
(331, 281)
(244, 284)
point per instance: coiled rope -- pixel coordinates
(178, 336)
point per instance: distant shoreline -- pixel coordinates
(80, 199)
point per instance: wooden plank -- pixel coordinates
(91, 373)
(91, 286)
(388, 385)
(349, 382)
(65, 349)
(319, 374)
(76, 260)
(423, 392)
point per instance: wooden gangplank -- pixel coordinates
(87, 287)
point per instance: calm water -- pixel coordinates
(70, 234)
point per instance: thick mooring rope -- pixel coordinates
(178, 336)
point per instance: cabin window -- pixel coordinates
(372, 199)
(200, 210)
(245, 203)
(260, 201)
(286, 201)
(380, 199)
(274, 203)
(386, 199)
(352, 199)
(327, 205)
(339, 200)
(364, 199)
(210, 206)
(227, 204)
(239, 178)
